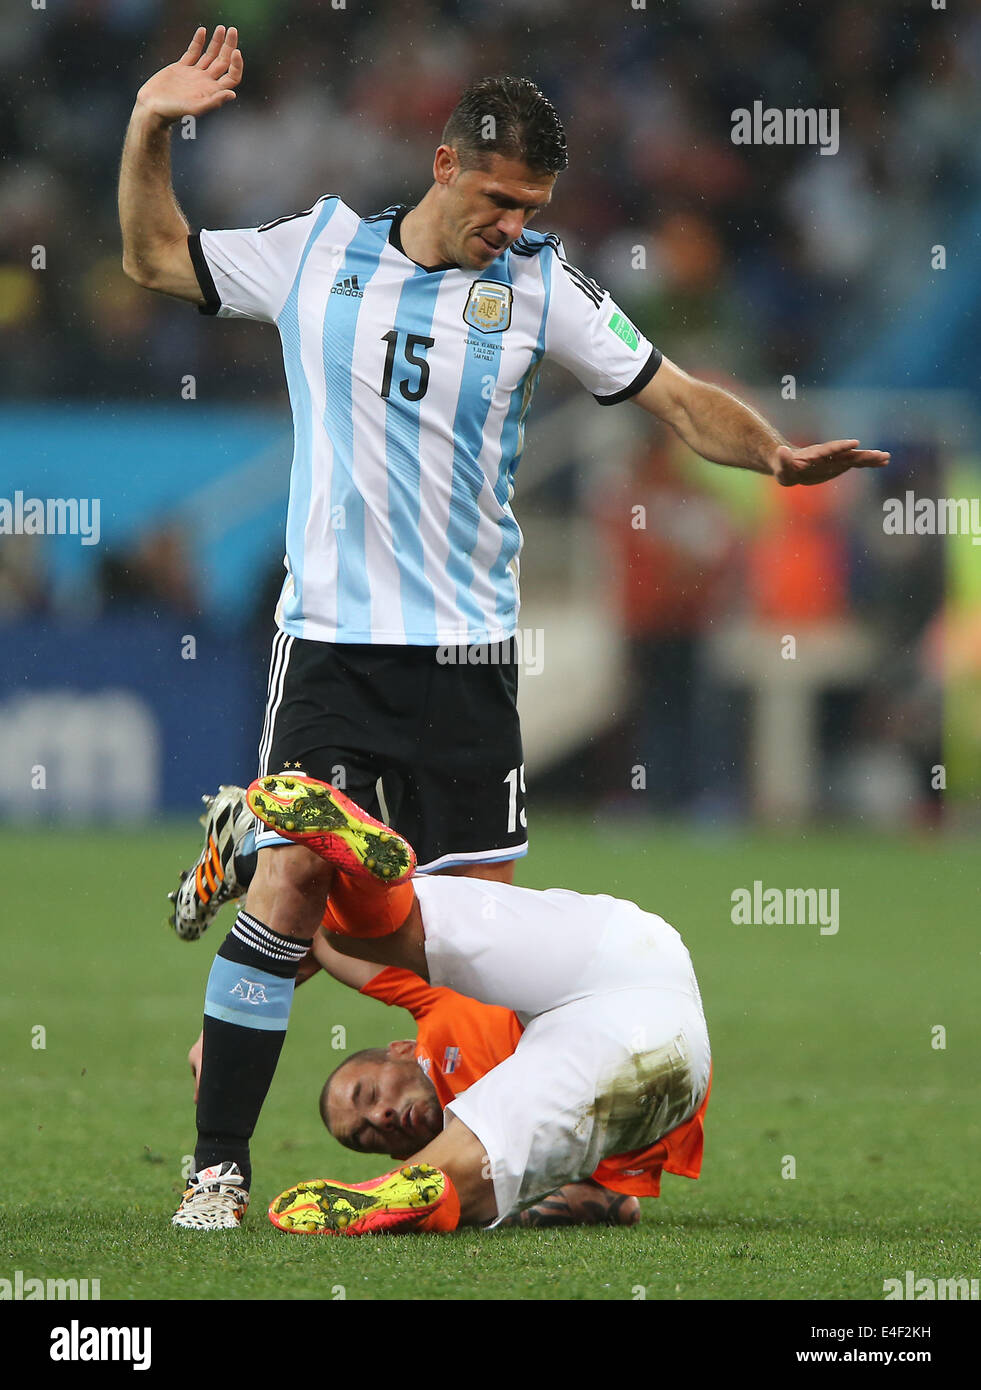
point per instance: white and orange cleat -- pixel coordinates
(212, 880)
(215, 1199)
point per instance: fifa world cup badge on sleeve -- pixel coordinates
(623, 328)
(488, 306)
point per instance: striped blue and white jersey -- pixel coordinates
(409, 388)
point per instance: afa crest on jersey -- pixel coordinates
(488, 306)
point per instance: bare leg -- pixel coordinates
(289, 889)
(460, 1154)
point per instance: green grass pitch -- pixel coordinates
(823, 1057)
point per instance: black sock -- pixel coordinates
(246, 1011)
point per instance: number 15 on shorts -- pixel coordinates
(515, 781)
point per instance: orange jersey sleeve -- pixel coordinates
(458, 1039)
(404, 989)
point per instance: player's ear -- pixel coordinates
(446, 165)
(401, 1051)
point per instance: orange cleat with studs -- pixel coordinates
(317, 815)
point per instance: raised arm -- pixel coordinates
(154, 229)
(723, 429)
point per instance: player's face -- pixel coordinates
(485, 210)
(386, 1107)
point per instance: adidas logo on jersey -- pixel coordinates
(348, 286)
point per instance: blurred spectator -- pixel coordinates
(670, 547)
(743, 263)
(798, 560)
(762, 259)
(154, 574)
(23, 578)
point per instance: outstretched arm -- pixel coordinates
(724, 430)
(154, 229)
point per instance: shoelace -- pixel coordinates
(209, 1198)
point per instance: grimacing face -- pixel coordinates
(483, 211)
(387, 1107)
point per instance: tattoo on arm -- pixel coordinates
(556, 1210)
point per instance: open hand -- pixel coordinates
(201, 81)
(820, 462)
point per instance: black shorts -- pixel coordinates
(425, 738)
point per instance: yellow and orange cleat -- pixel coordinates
(404, 1200)
(319, 816)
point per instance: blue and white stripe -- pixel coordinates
(400, 528)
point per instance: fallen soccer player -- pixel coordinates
(458, 1041)
(613, 1058)
(390, 1100)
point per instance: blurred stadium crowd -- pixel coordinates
(758, 260)
(744, 263)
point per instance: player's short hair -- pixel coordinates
(508, 116)
(367, 1054)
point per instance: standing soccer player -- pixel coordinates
(412, 341)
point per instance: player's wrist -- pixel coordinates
(770, 459)
(146, 116)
